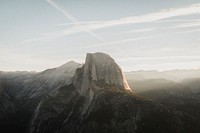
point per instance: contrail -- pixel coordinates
(71, 18)
(125, 40)
(159, 16)
(79, 23)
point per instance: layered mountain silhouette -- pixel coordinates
(94, 97)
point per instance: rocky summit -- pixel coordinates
(82, 98)
(100, 67)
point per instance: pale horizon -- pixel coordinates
(124, 70)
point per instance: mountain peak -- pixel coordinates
(100, 72)
(69, 64)
(69, 67)
(104, 68)
(100, 68)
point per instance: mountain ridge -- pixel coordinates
(94, 99)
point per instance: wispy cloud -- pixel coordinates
(59, 8)
(191, 24)
(178, 20)
(155, 16)
(124, 41)
(77, 23)
(151, 17)
(71, 18)
(189, 31)
(142, 38)
(161, 58)
(89, 27)
(140, 30)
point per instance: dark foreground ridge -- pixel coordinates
(75, 98)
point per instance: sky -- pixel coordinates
(139, 34)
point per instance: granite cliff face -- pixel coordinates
(99, 67)
(99, 70)
(75, 98)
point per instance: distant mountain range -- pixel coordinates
(95, 97)
(174, 75)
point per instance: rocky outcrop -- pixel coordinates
(99, 68)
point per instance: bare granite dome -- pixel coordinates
(100, 68)
(100, 72)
